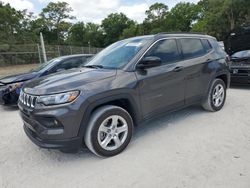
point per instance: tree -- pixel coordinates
(55, 18)
(94, 35)
(157, 11)
(81, 34)
(114, 26)
(156, 18)
(183, 15)
(219, 17)
(9, 23)
(132, 31)
(76, 34)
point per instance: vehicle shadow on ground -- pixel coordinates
(165, 120)
(9, 108)
(142, 130)
(246, 87)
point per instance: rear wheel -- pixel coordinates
(216, 97)
(109, 131)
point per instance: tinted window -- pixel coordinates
(192, 48)
(206, 44)
(220, 52)
(69, 64)
(166, 50)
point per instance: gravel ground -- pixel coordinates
(16, 69)
(190, 148)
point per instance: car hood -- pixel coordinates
(18, 78)
(239, 40)
(67, 80)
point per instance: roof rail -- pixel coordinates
(197, 33)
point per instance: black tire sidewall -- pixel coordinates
(94, 132)
(215, 83)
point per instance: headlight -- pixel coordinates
(14, 86)
(60, 98)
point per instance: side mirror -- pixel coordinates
(149, 62)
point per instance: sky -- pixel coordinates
(97, 10)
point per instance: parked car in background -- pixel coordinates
(238, 47)
(221, 44)
(10, 86)
(128, 82)
(240, 67)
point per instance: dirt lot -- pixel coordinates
(15, 69)
(190, 148)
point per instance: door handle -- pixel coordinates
(178, 69)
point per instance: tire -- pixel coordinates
(216, 96)
(109, 131)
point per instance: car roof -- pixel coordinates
(183, 34)
(175, 34)
(75, 55)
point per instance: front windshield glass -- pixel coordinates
(43, 65)
(242, 54)
(120, 53)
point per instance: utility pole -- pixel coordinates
(43, 48)
(89, 46)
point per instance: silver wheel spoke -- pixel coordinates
(221, 91)
(214, 96)
(103, 128)
(106, 141)
(117, 141)
(122, 129)
(115, 120)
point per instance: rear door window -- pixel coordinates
(192, 48)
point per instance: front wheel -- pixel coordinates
(109, 131)
(216, 97)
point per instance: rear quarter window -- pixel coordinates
(220, 52)
(192, 48)
(207, 46)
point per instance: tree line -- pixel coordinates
(215, 17)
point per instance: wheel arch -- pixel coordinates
(124, 101)
(224, 75)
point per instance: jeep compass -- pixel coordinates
(130, 81)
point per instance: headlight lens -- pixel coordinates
(60, 98)
(14, 86)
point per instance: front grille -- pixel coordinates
(27, 99)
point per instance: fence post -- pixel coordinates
(89, 46)
(39, 54)
(43, 48)
(58, 49)
(70, 49)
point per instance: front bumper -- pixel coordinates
(8, 97)
(73, 143)
(240, 75)
(55, 127)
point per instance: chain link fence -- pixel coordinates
(32, 53)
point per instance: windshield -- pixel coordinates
(119, 54)
(43, 65)
(241, 54)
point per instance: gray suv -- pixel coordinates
(128, 82)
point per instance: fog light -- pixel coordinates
(49, 122)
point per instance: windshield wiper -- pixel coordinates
(94, 66)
